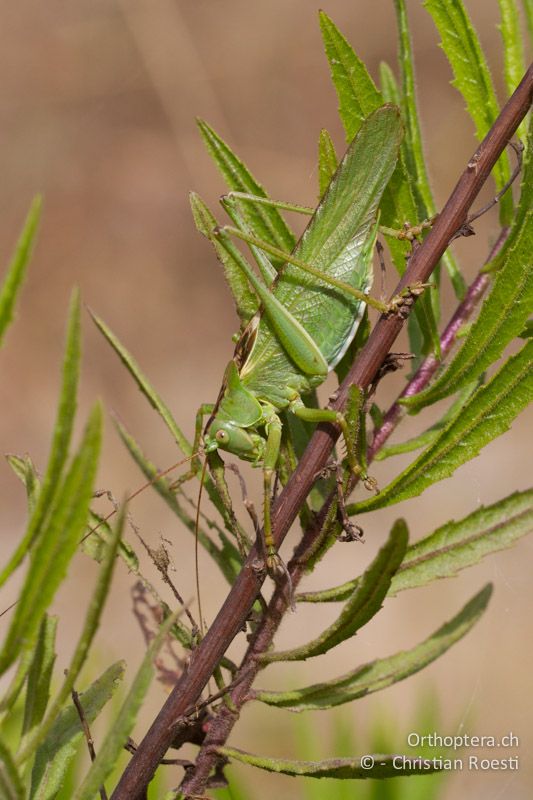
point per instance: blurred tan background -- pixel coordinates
(98, 107)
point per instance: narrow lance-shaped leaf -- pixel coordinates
(488, 414)
(428, 436)
(40, 675)
(525, 204)
(117, 735)
(451, 548)
(356, 91)
(11, 786)
(502, 317)
(361, 606)
(513, 51)
(379, 674)
(382, 766)
(327, 161)
(60, 442)
(359, 97)
(57, 545)
(265, 221)
(25, 660)
(16, 272)
(389, 87)
(414, 149)
(457, 545)
(472, 78)
(245, 300)
(95, 544)
(55, 755)
(144, 385)
(90, 626)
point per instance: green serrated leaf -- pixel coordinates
(40, 675)
(25, 660)
(266, 221)
(379, 674)
(356, 91)
(383, 766)
(90, 626)
(11, 786)
(144, 385)
(451, 548)
(458, 545)
(359, 97)
(488, 413)
(414, 150)
(513, 51)
(472, 78)
(55, 548)
(117, 735)
(327, 161)
(16, 271)
(428, 436)
(365, 601)
(245, 300)
(60, 442)
(525, 204)
(55, 755)
(416, 165)
(503, 315)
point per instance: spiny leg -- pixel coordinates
(400, 304)
(248, 504)
(267, 201)
(217, 471)
(351, 531)
(273, 429)
(350, 437)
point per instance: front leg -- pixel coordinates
(196, 464)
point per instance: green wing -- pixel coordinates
(338, 241)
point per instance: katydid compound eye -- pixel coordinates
(221, 436)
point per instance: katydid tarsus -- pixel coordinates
(309, 311)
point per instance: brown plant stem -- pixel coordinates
(236, 608)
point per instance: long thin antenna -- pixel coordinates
(138, 491)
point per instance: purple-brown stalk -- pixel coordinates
(238, 604)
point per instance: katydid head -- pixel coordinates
(236, 417)
(229, 436)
